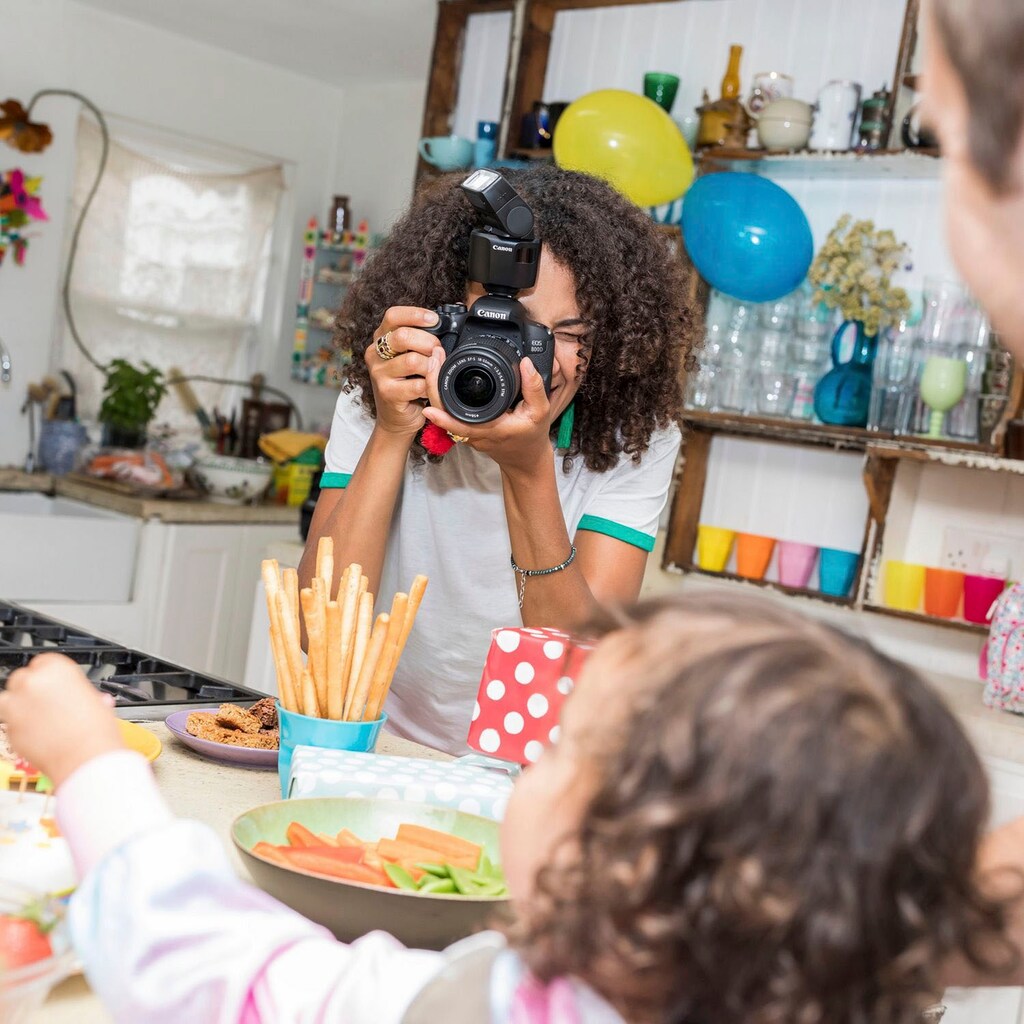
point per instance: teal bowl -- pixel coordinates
(352, 909)
(298, 730)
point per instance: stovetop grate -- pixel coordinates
(135, 680)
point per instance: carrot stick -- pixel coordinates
(442, 842)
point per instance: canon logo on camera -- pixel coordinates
(502, 248)
(492, 314)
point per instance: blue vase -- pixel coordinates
(843, 395)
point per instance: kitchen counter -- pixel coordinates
(119, 498)
(215, 795)
(170, 510)
(12, 479)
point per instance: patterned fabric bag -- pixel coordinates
(1002, 657)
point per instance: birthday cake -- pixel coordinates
(32, 851)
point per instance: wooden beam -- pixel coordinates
(534, 49)
(904, 57)
(688, 499)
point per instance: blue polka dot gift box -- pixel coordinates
(527, 676)
(319, 771)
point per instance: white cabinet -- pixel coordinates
(192, 595)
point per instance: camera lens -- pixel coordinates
(474, 387)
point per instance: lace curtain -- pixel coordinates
(171, 266)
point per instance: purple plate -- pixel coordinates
(225, 753)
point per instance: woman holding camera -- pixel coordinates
(554, 505)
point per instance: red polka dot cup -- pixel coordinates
(527, 675)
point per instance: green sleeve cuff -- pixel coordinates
(610, 528)
(328, 480)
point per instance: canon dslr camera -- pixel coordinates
(479, 379)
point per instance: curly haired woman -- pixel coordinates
(573, 482)
(748, 818)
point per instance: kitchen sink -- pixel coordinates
(56, 549)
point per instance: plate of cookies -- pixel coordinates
(247, 737)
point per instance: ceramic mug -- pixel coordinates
(836, 115)
(447, 152)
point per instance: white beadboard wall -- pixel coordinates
(483, 71)
(812, 40)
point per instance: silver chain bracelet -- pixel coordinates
(523, 573)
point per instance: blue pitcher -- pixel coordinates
(843, 395)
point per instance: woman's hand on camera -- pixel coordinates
(518, 440)
(399, 384)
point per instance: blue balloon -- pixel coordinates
(746, 236)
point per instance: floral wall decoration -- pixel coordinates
(20, 205)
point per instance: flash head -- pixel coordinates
(498, 204)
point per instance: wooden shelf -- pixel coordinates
(887, 163)
(769, 429)
(967, 458)
(814, 595)
(531, 154)
(960, 625)
(850, 438)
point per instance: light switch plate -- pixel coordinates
(976, 551)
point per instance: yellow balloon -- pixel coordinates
(629, 141)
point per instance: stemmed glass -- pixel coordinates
(943, 382)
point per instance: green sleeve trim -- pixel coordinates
(329, 480)
(610, 528)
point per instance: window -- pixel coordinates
(172, 262)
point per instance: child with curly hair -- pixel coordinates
(749, 818)
(570, 481)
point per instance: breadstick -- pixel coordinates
(374, 653)
(419, 585)
(309, 694)
(272, 585)
(382, 676)
(348, 599)
(291, 648)
(290, 583)
(335, 661)
(285, 687)
(314, 613)
(360, 643)
(364, 584)
(325, 562)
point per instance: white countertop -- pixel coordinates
(215, 795)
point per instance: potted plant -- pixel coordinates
(130, 398)
(853, 273)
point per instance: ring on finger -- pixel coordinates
(383, 347)
(458, 438)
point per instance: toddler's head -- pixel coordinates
(751, 818)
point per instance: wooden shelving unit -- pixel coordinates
(891, 164)
(883, 455)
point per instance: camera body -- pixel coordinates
(479, 379)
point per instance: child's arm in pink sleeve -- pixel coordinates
(168, 933)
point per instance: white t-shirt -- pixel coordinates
(449, 524)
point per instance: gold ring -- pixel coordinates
(458, 438)
(383, 347)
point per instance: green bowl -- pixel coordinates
(351, 909)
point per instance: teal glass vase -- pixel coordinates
(842, 397)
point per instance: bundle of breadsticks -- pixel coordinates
(352, 657)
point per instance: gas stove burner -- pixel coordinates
(143, 687)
